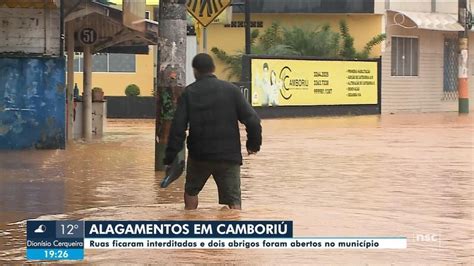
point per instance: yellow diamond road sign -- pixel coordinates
(205, 11)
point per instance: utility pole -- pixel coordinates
(463, 87)
(204, 40)
(171, 76)
(248, 49)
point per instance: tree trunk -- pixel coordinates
(171, 70)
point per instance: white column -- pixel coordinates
(70, 81)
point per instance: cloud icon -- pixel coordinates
(41, 229)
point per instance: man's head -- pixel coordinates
(203, 65)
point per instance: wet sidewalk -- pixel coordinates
(391, 175)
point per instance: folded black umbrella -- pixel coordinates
(173, 172)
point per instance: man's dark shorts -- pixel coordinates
(226, 175)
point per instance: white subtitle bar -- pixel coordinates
(247, 243)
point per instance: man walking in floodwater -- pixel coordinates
(213, 109)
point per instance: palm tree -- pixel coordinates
(319, 41)
(279, 41)
(348, 51)
(272, 36)
(306, 41)
(234, 62)
(371, 44)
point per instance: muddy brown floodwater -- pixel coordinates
(392, 175)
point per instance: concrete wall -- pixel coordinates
(29, 31)
(32, 103)
(131, 107)
(99, 119)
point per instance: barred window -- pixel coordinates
(405, 56)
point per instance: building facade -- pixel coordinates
(114, 72)
(420, 56)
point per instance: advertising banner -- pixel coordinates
(291, 82)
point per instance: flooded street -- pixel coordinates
(392, 175)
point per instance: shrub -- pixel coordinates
(132, 90)
(98, 89)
